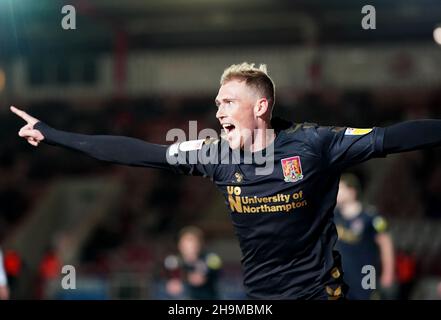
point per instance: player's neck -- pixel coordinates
(351, 209)
(263, 136)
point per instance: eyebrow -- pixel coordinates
(217, 102)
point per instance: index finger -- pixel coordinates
(22, 114)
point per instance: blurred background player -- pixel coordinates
(362, 240)
(194, 272)
(4, 290)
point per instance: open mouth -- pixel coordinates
(228, 127)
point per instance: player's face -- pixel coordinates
(189, 246)
(236, 103)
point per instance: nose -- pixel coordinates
(220, 112)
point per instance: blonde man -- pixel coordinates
(283, 217)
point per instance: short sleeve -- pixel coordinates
(213, 261)
(379, 224)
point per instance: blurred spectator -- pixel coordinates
(4, 289)
(362, 241)
(49, 272)
(193, 273)
(13, 268)
(406, 273)
(430, 173)
(13, 199)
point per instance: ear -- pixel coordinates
(261, 107)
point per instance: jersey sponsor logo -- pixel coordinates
(357, 131)
(292, 169)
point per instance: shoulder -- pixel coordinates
(299, 131)
(311, 134)
(213, 260)
(377, 221)
(310, 129)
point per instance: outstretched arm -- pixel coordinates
(412, 135)
(343, 147)
(115, 149)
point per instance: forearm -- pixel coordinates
(412, 135)
(3, 277)
(115, 149)
(387, 255)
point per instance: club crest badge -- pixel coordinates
(292, 169)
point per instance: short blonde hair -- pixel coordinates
(254, 77)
